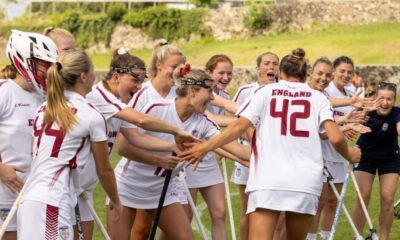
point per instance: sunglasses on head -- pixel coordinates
(205, 83)
(388, 85)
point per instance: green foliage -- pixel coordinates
(88, 29)
(259, 17)
(171, 24)
(2, 13)
(203, 3)
(116, 11)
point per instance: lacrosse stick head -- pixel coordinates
(397, 211)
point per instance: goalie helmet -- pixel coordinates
(22, 50)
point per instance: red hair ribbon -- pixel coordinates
(185, 70)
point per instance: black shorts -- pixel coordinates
(381, 166)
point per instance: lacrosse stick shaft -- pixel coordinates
(340, 205)
(228, 199)
(194, 209)
(95, 216)
(346, 212)
(160, 205)
(12, 212)
(361, 199)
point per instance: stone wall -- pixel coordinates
(369, 73)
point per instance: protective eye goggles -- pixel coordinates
(130, 70)
(205, 83)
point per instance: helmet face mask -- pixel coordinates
(27, 52)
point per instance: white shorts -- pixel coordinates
(203, 177)
(240, 174)
(4, 210)
(284, 201)
(338, 171)
(84, 210)
(38, 221)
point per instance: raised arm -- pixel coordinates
(338, 141)
(232, 132)
(144, 141)
(153, 124)
(132, 152)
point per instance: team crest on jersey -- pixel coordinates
(238, 172)
(385, 127)
(195, 132)
(3, 213)
(63, 232)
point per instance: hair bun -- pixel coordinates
(299, 52)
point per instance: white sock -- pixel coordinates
(325, 234)
(311, 236)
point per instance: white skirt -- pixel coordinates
(338, 171)
(284, 201)
(203, 177)
(240, 174)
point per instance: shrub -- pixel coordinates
(88, 29)
(171, 24)
(116, 11)
(259, 17)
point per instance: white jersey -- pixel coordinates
(217, 110)
(17, 112)
(329, 152)
(286, 152)
(149, 94)
(108, 105)
(145, 181)
(52, 180)
(242, 94)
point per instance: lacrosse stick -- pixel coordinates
(103, 230)
(372, 231)
(228, 199)
(396, 207)
(194, 209)
(346, 212)
(12, 212)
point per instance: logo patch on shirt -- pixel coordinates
(3, 213)
(195, 132)
(22, 105)
(385, 127)
(63, 232)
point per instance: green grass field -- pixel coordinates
(343, 230)
(366, 44)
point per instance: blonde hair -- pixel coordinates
(63, 75)
(8, 72)
(195, 74)
(56, 33)
(161, 51)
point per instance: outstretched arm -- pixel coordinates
(153, 124)
(232, 132)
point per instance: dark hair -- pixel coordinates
(121, 58)
(259, 58)
(295, 65)
(214, 60)
(323, 60)
(342, 59)
(388, 86)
